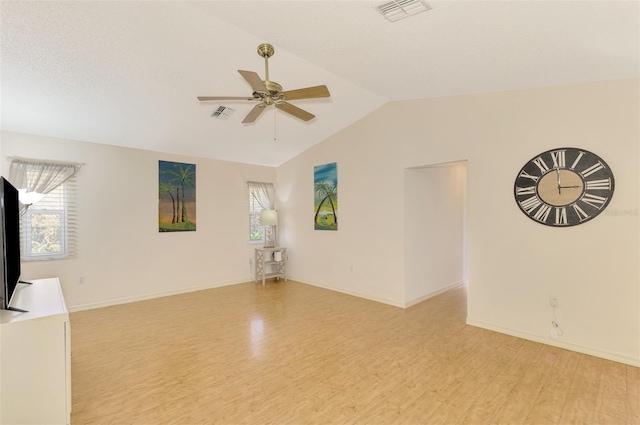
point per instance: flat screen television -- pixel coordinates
(10, 229)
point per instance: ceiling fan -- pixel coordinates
(269, 92)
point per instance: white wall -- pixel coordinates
(121, 254)
(435, 205)
(365, 257)
(514, 264)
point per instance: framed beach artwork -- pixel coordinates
(325, 200)
(177, 197)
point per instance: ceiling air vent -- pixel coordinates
(400, 9)
(222, 113)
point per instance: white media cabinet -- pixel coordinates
(35, 356)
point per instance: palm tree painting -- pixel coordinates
(325, 200)
(176, 196)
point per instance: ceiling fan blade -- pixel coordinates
(295, 111)
(205, 98)
(254, 79)
(307, 93)
(254, 113)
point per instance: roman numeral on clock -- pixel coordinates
(593, 169)
(529, 190)
(580, 212)
(593, 200)
(604, 184)
(543, 213)
(561, 216)
(541, 164)
(558, 158)
(530, 204)
(528, 176)
(580, 155)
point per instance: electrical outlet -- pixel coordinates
(553, 333)
(81, 279)
(553, 301)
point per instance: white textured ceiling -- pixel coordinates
(128, 73)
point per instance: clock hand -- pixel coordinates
(569, 187)
(559, 184)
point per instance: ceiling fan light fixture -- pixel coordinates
(400, 9)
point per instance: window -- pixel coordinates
(45, 226)
(260, 198)
(48, 213)
(255, 230)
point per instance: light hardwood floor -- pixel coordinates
(289, 353)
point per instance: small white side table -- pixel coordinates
(270, 262)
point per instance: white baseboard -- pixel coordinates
(616, 357)
(353, 293)
(434, 293)
(383, 300)
(126, 300)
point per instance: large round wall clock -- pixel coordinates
(564, 187)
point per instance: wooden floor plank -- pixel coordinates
(548, 407)
(521, 400)
(580, 404)
(633, 395)
(611, 401)
(289, 353)
(489, 402)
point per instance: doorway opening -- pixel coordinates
(435, 230)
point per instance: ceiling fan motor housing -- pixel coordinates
(274, 88)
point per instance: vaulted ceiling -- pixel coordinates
(128, 73)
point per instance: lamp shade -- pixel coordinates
(269, 218)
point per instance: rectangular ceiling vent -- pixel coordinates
(222, 113)
(400, 9)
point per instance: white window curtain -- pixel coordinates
(34, 179)
(48, 211)
(263, 194)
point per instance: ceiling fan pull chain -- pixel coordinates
(274, 124)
